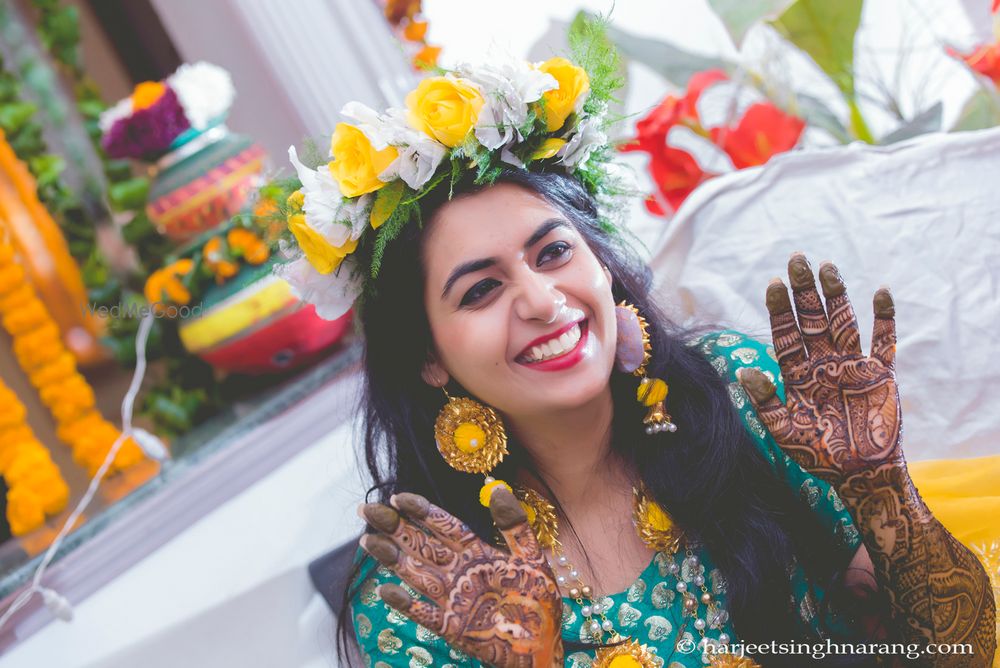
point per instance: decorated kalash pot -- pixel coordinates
(233, 311)
(203, 174)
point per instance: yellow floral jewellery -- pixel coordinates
(657, 530)
(632, 354)
(471, 438)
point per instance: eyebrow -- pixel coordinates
(477, 265)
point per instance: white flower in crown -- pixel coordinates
(337, 219)
(419, 154)
(587, 136)
(509, 86)
(332, 294)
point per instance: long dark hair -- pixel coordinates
(709, 475)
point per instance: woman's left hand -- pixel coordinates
(841, 413)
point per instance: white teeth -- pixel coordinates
(555, 347)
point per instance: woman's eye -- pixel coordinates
(478, 291)
(554, 251)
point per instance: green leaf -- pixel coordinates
(46, 168)
(825, 30)
(674, 64)
(129, 195)
(981, 110)
(386, 201)
(928, 120)
(594, 51)
(27, 141)
(738, 16)
(817, 114)
(14, 116)
(389, 231)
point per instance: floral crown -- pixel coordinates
(478, 119)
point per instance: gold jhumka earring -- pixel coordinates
(471, 438)
(631, 356)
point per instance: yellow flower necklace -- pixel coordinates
(657, 530)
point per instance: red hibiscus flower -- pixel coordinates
(763, 132)
(674, 171)
(985, 60)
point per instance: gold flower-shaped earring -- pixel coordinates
(471, 438)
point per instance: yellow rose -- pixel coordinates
(548, 148)
(356, 164)
(445, 108)
(322, 255)
(561, 102)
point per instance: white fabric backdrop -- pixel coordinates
(922, 217)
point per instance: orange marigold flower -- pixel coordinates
(24, 510)
(427, 57)
(63, 366)
(254, 250)
(146, 94)
(265, 208)
(27, 462)
(164, 284)
(38, 347)
(50, 487)
(415, 31)
(128, 455)
(11, 277)
(72, 431)
(16, 299)
(12, 450)
(12, 414)
(217, 261)
(30, 316)
(6, 253)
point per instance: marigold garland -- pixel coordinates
(51, 369)
(35, 486)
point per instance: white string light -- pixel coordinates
(151, 446)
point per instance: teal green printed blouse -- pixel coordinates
(650, 610)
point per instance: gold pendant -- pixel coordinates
(628, 654)
(654, 525)
(541, 515)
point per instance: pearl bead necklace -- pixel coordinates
(579, 592)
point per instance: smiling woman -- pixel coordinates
(514, 354)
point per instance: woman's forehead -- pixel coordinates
(493, 217)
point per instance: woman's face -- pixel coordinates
(521, 311)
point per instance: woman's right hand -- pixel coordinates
(503, 609)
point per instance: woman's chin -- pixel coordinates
(561, 392)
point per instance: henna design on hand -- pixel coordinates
(841, 421)
(504, 609)
(938, 589)
(841, 413)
